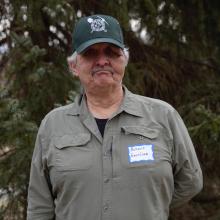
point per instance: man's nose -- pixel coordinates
(102, 60)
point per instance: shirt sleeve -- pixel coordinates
(40, 198)
(188, 180)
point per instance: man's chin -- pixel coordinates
(103, 78)
(104, 82)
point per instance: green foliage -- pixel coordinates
(35, 78)
(17, 137)
(32, 74)
(16, 133)
(206, 133)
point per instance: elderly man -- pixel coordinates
(111, 154)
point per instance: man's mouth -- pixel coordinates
(104, 70)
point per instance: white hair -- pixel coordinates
(73, 57)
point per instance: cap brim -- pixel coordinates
(89, 43)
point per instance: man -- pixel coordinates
(111, 154)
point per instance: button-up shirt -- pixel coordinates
(144, 164)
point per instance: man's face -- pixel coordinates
(100, 66)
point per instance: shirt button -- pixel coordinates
(106, 180)
(105, 207)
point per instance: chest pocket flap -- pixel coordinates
(141, 130)
(72, 140)
(72, 152)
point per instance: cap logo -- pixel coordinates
(97, 24)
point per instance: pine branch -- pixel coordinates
(6, 153)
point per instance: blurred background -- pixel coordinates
(174, 56)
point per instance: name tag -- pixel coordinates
(140, 153)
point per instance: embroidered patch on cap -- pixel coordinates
(97, 24)
(140, 153)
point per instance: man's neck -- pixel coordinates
(105, 103)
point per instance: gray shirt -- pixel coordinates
(144, 164)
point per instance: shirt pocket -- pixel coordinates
(73, 152)
(143, 146)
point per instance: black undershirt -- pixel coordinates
(101, 124)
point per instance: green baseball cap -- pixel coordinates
(96, 29)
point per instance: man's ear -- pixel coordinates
(72, 67)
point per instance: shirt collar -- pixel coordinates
(130, 104)
(75, 109)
